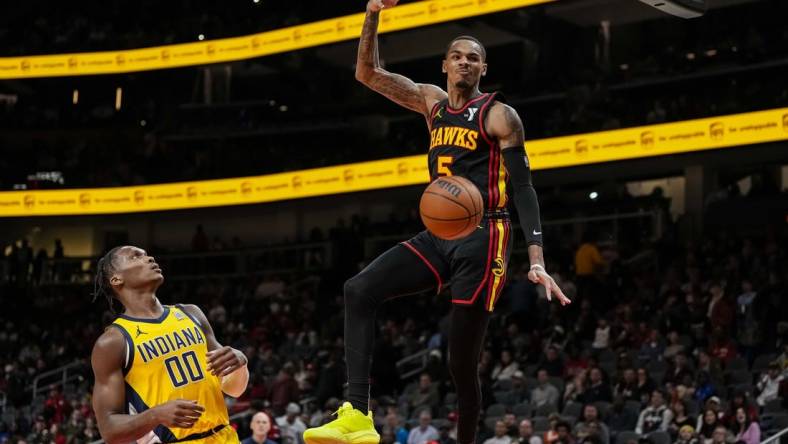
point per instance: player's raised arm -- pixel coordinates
(109, 400)
(505, 125)
(400, 89)
(223, 361)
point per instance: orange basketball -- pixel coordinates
(451, 207)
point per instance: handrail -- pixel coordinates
(62, 380)
(418, 356)
(775, 436)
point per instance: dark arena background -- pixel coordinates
(233, 143)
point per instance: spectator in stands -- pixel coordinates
(680, 417)
(621, 418)
(290, 425)
(652, 348)
(745, 428)
(425, 395)
(445, 435)
(720, 309)
(544, 393)
(510, 421)
(526, 433)
(769, 384)
(718, 436)
(601, 335)
(687, 436)
(627, 385)
(425, 432)
(655, 417)
(500, 436)
(679, 372)
(552, 362)
(576, 387)
(260, 426)
(739, 400)
(505, 368)
(597, 388)
(746, 321)
(284, 389)
(564, 432)
(590, 424)
(709, 365)
(393, 424)
(674, 345)
(588, 264)
(710, 423)
(519, 392)
(645, 385)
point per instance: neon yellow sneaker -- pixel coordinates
(350, 427)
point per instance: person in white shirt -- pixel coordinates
(769, 384)
(500, 435)
(505, 368)
(290, 425)
(527, 433)
(655, 417)
(544, 393)
(425, 432)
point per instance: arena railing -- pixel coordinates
(58, 377)
(775, 437)
(610, 224)
(198, 265)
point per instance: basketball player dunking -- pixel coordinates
(160, 372)
(474, 135)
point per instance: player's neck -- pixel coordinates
(458, 97)
(144, 304)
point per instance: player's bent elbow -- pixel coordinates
(363, 75)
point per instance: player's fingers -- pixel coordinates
(229, 369)
(532, 276)
(548, 290)
(220, 363)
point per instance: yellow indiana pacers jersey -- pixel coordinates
(165, 360)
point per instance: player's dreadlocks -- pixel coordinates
(101, 285)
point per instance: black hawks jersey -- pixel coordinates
(459, 146)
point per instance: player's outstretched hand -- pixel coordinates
(539, 276)
(377, 5)
(179, 413)
(225, 360)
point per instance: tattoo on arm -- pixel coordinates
(515, 135)
(397, 88)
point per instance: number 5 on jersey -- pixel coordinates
(444, 162)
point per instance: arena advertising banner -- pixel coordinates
(408, 16)
(581, 149)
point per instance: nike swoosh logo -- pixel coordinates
(537, 233)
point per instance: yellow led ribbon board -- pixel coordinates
(581, 149)
(408, 16)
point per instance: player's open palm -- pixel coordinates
(538, 276)
(377, 5)
(179, 413)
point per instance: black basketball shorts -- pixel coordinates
(474, 267)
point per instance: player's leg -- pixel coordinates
(478, 267)
(405, 269)
(466, 337)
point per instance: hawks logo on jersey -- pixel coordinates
(456, 136)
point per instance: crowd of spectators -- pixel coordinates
(694, 351)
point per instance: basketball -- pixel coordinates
(451, 207)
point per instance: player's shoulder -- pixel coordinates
(109, 346)
(194, 311)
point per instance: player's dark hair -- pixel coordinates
(472, 39)
(101, 284)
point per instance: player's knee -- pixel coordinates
(355, 291)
